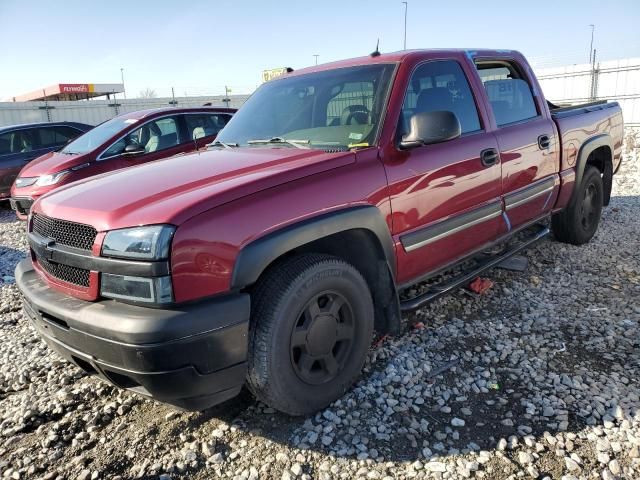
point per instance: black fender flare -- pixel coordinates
(256, 256)
(603, 140)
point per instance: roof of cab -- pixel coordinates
(395, 57)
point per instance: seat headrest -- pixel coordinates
(198, 132)
(434, 99)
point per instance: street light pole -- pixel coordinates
(124, 91)
(406, 6)
(593, 27)
(316, 55)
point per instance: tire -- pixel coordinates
(578, 223)
(306, 311)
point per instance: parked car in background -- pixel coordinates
(20, 144)
(126, 140)
(271, 259)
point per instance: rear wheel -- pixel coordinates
(311, 327)
(578, 223)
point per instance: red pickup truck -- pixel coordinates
(272, 258)
(126, 140)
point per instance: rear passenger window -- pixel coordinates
(509, 92)
(205, 124)
(440, 85)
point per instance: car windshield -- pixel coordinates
(333, 109)
(98, 135)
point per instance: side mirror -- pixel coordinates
(133, 149)
(431, 127)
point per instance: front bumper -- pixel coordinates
(192, 356)
(22, 206)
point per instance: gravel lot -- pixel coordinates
(537, 378)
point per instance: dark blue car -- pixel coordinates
(19, 144)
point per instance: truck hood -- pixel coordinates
(172, 191)
(52, 162)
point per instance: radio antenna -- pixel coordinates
(376, 52)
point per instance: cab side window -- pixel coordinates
(508, 90)
(440, 85)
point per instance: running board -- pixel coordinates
(442, 289)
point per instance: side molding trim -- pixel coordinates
(425, 236)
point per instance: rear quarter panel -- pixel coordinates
(577, 129)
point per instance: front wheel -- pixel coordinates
(578, 223)
(311, 327)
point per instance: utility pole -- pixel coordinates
(124, 91)
(406, 6)
(593, 27)
(226, 99)
(316, 55)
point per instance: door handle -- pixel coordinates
(544, 142)
(489, 157)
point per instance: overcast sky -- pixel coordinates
(200, 46)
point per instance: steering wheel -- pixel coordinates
(356, 112)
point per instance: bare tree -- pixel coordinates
(148, 93)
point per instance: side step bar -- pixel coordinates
(442, 289)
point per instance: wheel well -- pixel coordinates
(361, 248)
(602, 159)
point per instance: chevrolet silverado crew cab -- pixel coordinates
(126, 140)
(272, 258)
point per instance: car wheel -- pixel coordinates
(578, 223)
(311, 328)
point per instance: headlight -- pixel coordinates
(143, 243)
(137, 289)
(52, 179)
(26, 181)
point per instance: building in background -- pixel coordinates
(71, 92)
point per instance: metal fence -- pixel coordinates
(611, 80)
(97, 111)
(616, 80)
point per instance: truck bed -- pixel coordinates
(577, 124)
(558, 111)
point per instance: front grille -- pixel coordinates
(66, 273)
(66, 233)
(21, 205)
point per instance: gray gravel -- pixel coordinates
(538, 378)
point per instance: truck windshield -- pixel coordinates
(333, 109)
(97, 136)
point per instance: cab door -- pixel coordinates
(526, 139)
(445, 197)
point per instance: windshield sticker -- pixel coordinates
(357, 145)
(355, 136)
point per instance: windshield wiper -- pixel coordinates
(68, 153)
(280, 140)
(218, 143)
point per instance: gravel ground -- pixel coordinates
(537, 378)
